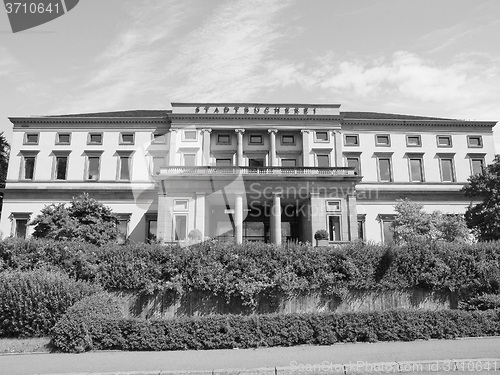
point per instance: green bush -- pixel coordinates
(481, 302)
(251, 270)
(76, 330)
(32, 301)
(236, 331)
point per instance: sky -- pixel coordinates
(438, 58)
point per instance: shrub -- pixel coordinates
(31, 302)
(482, 302)
(237, 331)
(321, 234)
(82, 323)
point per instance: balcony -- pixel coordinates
(258, 171)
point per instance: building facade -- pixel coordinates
(243, 171)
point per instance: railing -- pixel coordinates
(287, 171)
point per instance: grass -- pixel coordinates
(31, 345)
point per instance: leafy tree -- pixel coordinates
(412, 224)
(484, 218)
(84, 219)
(4, 162)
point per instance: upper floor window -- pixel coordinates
(474, 141)
(384, 168)
(287, 139)
(31, 138)
(94, 139)
(190, 135)
(321, 136)
(289, 163)
(255, 139)
(92, 165)
(476, 164)
(256, 162)
(189, 160)
(353, 162)
(323, 160)
(63, 138)
(443, 140)
(413, 141)
(28, 166)
(416, 169)
(351, 140)
(124, 167)
(61, 167)
(382, 140)
(127, 138)
(332, 206)
(223, 162)
(223, 139)
(447, 169)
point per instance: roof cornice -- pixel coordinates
(418, 122)
(87, 120)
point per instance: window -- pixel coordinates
(63, 138)
(190, 135)
(476, 164)
(447, 170)
(289, 163)
(28, 168)
(287, 139)
(386, 224)
(159, 138)
(321, 136)
(413, 141)
(124, 168)
(127, 138)
(94, 139)
(255, 139)
(353, 162)
(158, 163)
(223, 139)
(361, 226)
(256, 162)
(20, 222)
(443, 140)
(223, 162)
(384, 169)
(93, 164)
(180, 227)
(61, 167)
(474, 141)
(122, 227)
(351, 140)
(31, 139)
(416, 170)
(323, 161)
(382, 140)
(180, 205)
(189, 160)
(332, 206)
(151, 226)
(334, 228)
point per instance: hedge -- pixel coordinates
(236, 331)
(74, 331)
(245, 271)
(31, 302)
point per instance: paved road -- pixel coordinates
(285, 359)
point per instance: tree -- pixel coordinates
(484, 218)
(412, 224)
(4, 163)
(84, 219)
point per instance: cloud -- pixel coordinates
(8, 63)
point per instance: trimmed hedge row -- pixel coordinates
(244, 271)
(236, 331)
(31, 302)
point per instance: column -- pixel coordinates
(338, 148)
(206, 145)
(239, 139)
(276, 219)
(164, 219)
(238, 218)
(272, 151)
(172, 147)
(199, 221)
(353, 216)
(306, 148)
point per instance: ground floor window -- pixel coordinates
(123, 220)
(386, 223)
(334, 228)
(361, 227)
(20, 222)
(180, 227)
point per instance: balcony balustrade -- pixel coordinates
(258, 171)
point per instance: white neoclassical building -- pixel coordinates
(243, 171)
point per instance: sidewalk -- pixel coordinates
(339, 358)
